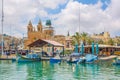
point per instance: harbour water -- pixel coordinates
(63, 71)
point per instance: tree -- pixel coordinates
(118, 41)
(84, 37)
(80, 37)
(110, 42)
(100, 41)
(73, 42)
(89, 41)
(76, 38)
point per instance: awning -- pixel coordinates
(102, 46)
(42, 42)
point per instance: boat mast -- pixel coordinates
(11, 44)
(2, 26)
(23, 42)
(79, 19)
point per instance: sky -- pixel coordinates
(91, 16)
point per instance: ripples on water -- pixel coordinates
(46, 71)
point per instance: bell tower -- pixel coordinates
(49, 29)
(39, 26)
(30, 27)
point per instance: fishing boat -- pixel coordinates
(28, 58)
(82, 60)
(72, 60)
(76, 57)
(55, 59)
(116, 61)
(90, 58)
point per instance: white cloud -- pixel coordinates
(17, 13)
(92, 18)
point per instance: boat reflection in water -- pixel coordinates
(116, 61)
(43, 70)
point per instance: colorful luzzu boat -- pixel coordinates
(74, 58)
(28, 58)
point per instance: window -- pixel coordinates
(35, 38)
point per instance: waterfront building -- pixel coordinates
(10, 42)
(45, 32)
(68, 43)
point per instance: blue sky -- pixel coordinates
(93, 2)
(94, 15)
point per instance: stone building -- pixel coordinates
(10, 42)
(117, 40)
(44, 32)
(105, 36)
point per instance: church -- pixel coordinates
(45, 32)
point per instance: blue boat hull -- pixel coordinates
(81, 60)
(91, 58)
(52, 60)
(72, 61)
(28, 58)
(116, 63)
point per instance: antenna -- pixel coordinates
(2, 26)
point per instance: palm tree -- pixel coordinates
(89, 40)
(118, 41)
(84, 37)
(73, 42)
(100, 41)
(79, 37)
(110, 42)
(76, 38)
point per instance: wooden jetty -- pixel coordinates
(11, 57)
